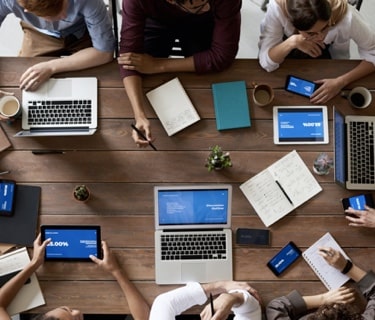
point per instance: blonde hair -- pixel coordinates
(43, 8)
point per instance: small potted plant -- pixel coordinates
(81, 193)
(218, 159)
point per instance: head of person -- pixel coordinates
(310, 17)
(337, 311)
(49, 10)
(61, 313)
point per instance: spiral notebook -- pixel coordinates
(330, 276)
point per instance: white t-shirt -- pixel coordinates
(352, 26)
(172, 303)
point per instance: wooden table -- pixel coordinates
(121, 178)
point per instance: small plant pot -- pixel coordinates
(217, 159)
(81, 193)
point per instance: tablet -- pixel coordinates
(71, 243)
(300, 125)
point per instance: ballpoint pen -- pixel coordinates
(143, 136)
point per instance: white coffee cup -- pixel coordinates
(360, 97)
(10, 107)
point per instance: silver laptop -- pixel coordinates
(61, 107)
(193, 238)
(354, 151)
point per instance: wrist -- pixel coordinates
(348, 266)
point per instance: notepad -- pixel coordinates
(231, 105)
(173, 106)
(30, 295)
(330, 276)
(280, 188)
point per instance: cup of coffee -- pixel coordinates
(10, 107)
(359, 97)
(262, 94)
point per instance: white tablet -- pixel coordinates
(300, 125)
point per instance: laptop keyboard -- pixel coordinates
(362, 152)
(193, 246)
(63, 112)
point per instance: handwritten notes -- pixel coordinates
(280, 188)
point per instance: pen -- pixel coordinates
(285, 194)
(212, 305)
(4, 172)
(143, 136)
(37, 152)
(327, 252)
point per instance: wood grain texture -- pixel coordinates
(122, 176)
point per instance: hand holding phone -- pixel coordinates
(300, 86)
(358, 202)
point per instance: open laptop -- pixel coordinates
(354, 151)
(61, 107)
(198, 212)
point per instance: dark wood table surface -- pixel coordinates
(122, 176)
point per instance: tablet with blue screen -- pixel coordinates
(71, 243)
(300, 125)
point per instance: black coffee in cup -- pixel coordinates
(357, 99)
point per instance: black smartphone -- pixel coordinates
(7, 195)
(300, 86)
(245, 236)
(358, 202)
(284, 258)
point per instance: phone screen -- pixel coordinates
(358, 202)
(300, 86)
(284, 258)
(7, 192)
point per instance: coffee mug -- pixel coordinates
(359, 97)
(262, 94)
(10, 107)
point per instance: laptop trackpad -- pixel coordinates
(62, 88)
(193, 272)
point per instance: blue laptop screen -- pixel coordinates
(193, 207)
(340, 148)
(300, 124)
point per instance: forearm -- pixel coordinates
(133, 88)
(356, 273)
(9, 290)
(83, 59)
(138, 306)
(363, 69)
(314, 301)
(279, 52)
(175, 65)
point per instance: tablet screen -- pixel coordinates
(300, 125)
(72, 242)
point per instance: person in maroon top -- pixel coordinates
(208, 30)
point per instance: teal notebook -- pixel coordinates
(231, 105)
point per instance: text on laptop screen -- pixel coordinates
(340, 148)
(71, 243)
(184, 207)
(300, 124)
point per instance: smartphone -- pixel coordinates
(300, 86)
(245, 236)
(7, 195)
(284, 258)
(358, 202)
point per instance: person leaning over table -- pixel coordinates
(81, 30)
(313, 29)
(238, 296)
(336, 304)
(361, 218)
(208, 31)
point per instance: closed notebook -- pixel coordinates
(173, 106)
(231, 105)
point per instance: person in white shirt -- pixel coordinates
(313, 27)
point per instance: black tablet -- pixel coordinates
(71, 243)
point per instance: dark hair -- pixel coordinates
(305, 13)
(44, 316)
(337, 311)
(43, 8)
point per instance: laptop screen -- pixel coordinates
(191, 207)
(339, 148)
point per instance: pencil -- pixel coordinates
(212, 305)
(143, 136)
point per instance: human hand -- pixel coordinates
(109, 262)
(363, 218)
(141, 62)
(39, 249)
(222, 306)
(328, 89)
(333, 257)
(310, 47)
(34, 76)
(340, 295)
(143, 125)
